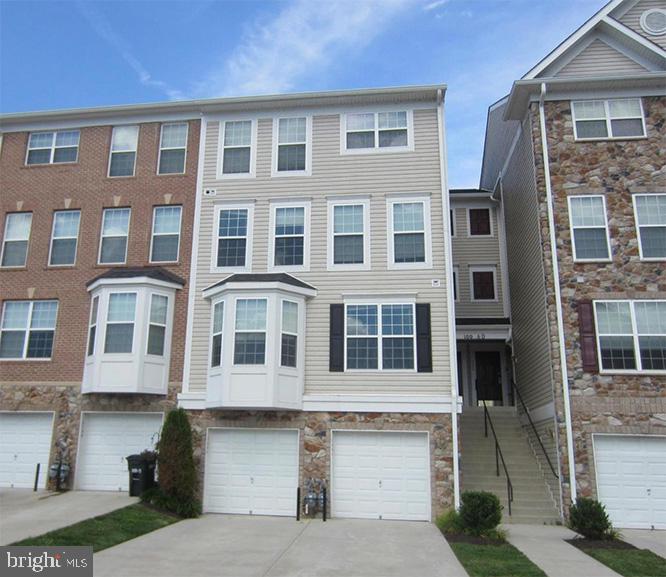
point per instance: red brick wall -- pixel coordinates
(43, 189)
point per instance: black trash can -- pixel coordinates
(141, 473)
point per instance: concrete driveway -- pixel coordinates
(655, 541)
(24, 513)
(243, 546)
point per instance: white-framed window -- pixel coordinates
(250, 332)
(289, 243)
(16, 239)
(479, 222)
(349, 234)
(157, 324)
(409, 233)
(165, 240)
(456, 288)
(483, 282)
(289, 334)
(115, 230)
(122, 157)
(53, 147)
(27, 329)
(232, 250)
(589, 228)
(64, 237)
(216, 337)
(380, 337)
(120, 320)
(92, 326)
(650, 212)
(620, 118)
(389, 131)
(237, 155)
(631, 335)
(173, 148)
(292, 146)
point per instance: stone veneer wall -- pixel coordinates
(616, 169)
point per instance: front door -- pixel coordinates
(488, 375)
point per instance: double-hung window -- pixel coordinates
(608, 119)
(377, 130)
(216, 341)
(631, 335)
(64, 237)
(157, 324)
(92, 326)
(122, 158)
(53, 147)
(589, 229)
(289, 334)
(368, 324)
(348, 242)
(237, 157)
(120, 323)
(173, 145)
(233, 248)
(290, 236)
(27, 329)
(166, 234)
(15, 242)
(650, 211)
(250, 332)
(292, 155)
(115, 230)
(409, 230)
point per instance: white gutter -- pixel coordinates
(558, 296)
(450, 307)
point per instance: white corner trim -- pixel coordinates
(378, 403)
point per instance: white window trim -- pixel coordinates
(221, 147)
(52, 147)
(482, 268)
(376, 149)
(330, 244)
(607, 118)
(153, 234)
(150, 323)
(160, 148)
(308, 147)
(24, 357)
(107, 322)
(102, 237)
(379, 302)
(76, 246)
(306, 205)
(285, 332)
(572, 228)
(135, 151)
(248, 243)
(267, 351)
(639, 226)
(456, 283)
(5, 241)
(214, 370)
(634, 335)
(391, 265)
(469, 223)
(93, 322)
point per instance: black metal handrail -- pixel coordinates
(499, 457)
(536, 433)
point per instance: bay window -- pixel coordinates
(157, 324)
(250, 335)
(120, 323)
(289, 339)
(216, 341)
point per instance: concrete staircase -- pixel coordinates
(533, 502)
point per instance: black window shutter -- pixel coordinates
(337, 339)
(588, 337)
(423, 338)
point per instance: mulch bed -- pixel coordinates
(471, 539)
(583, 544)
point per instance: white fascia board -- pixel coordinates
(134, 281)
(214, 291)
(378, 403)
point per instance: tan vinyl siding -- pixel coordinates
(632, 19)
(473, 250)
(334, 174)
(600, 59)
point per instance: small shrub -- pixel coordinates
(449, 522)
(589, 518)
(480, 513)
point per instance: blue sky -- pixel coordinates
(91, 53)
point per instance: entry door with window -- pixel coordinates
(488, 365)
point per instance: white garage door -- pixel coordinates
(106, 439)
(25, 440)
(381, 475)
(631, 479)
(251, 471)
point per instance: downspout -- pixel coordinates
(450, 308)
(558, 296)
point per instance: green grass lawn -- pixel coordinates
(630, 562)
(495, 561)
(106, 530)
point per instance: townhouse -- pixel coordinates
(576, 153)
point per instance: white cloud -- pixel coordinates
(300, 42)
(435, 4)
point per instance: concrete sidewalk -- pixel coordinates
(545, 546)
(655, 541)
(24, 513)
